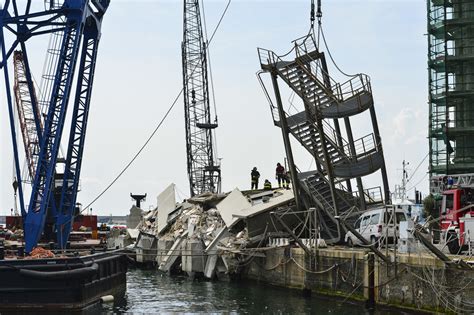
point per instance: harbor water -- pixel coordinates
(149, 292)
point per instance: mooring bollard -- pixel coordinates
(370, 303)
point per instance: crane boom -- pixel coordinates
(80, 116)
(28, 113)
(53, 195)
(54, 124)
(203, 172)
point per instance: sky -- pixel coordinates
(138, 75)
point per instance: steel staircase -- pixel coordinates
(325, 100)
(317, 188)
(307, 80)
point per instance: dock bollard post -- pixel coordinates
(370, 303)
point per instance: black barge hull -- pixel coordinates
(64, 285)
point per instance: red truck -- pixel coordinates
(456, 210)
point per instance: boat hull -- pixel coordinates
(61, 284)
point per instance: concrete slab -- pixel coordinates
(193, 257)
(212, 247)
(234, 203)
(164, 246)
(210, 266)
(282, 196)
(166, 205)
(133, 233)
(168, 260)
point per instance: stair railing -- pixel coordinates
(372, 195)
(364, 146)
(352, 87)
(339, 91)
(322, 199)
(273, 108)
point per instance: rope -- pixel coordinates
(276, 266)
(314, 272)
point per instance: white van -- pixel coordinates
(375, 224)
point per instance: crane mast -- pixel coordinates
(203, 172)
(77, 27)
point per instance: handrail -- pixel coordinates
(273, 108)
(339, 92)
(340, 190)
(372, 195)
(363, 146)
(316, 191)
(352, 87)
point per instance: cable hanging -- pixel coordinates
(317, 13)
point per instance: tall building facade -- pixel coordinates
(451, 86)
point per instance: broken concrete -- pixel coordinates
(166, 205)
(234, 203)
(203, 235)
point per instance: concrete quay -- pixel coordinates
(418, 282)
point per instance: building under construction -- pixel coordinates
(451, 86)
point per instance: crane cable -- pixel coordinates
(157, 127)
(318, 13)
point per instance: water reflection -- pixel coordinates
(150, 292)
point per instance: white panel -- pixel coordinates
(234, 203)
(166, 205)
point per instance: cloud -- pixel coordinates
(409, 126)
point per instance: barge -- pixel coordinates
(61, 284)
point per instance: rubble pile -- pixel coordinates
(201, 236)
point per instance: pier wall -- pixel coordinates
(418, 281)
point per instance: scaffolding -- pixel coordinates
(451, 86)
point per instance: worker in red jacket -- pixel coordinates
(280, 174)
